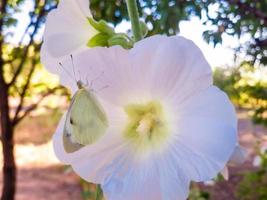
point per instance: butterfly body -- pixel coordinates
(85, 122)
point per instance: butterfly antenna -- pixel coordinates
(73, 67)
(100, 89)
(80, 78)
(95, 79)
(60, 64)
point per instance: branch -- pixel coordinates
(35, 105)
(30, 24)
(32, 21)
(24, 56)
(24, 89)
(2, 12)
(246, 7)
(42, 13)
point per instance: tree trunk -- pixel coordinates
(9, 166)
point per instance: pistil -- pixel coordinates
(147, 125)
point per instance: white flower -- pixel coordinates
(67, 31)
(168, 125)
(238, 157)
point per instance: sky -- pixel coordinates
(220, 56)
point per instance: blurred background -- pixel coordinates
(233, 37)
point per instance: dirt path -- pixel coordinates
(41, 177)
(49, 183)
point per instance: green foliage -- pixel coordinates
(91, 191)
(25, 77)
(99, 40)
(233, 17)
(254, 183)
(253, 186)
(162, 16)
(8, 17)
(122, 40)
(18, 63)
(144, 29)
(107, 36)
(237, 18)
(197, 194)
(247, 88)
(226, 80)
(101, 26)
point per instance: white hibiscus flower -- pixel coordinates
(168, 125)
(238, 157)
(67, 31)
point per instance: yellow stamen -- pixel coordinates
(147, 125)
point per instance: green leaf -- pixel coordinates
(144, 28)
(100, 39)
(107, 36)
(102, 26)
(121, 40)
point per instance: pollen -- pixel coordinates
(147, 126)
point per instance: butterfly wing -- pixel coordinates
(87, 119)
(69, 145)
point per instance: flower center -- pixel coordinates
(147, 125)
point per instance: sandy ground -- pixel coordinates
(42, 177)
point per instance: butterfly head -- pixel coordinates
(80, 84)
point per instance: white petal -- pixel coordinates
(225, 173)
(174, 65)
(209, 103)
(84, 6)
(156, 67)
(95, 162)
(136, 183)
(167, 65)
(205, 121)
(174, 179)
(65, 34)
(239, 156)
(107, 68)
(80, 8)
(204, 147)
(155, 179)
(206, 134)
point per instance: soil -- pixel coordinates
(42, 177)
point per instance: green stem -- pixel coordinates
(98, 192)
(134, 17)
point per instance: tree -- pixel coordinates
(17, 66)
(234, 17)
